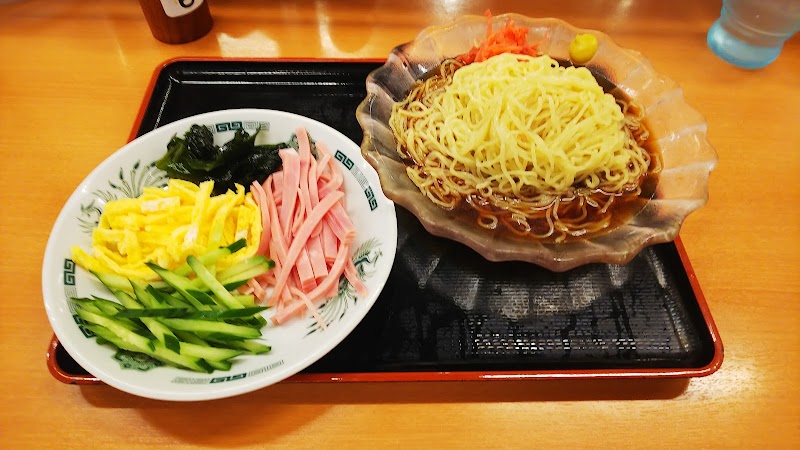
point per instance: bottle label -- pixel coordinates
(177, 8)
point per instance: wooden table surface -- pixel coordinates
(73, 75)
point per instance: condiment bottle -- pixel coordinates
(177, 21)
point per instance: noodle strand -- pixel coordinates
(525, 142)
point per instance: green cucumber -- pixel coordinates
(247, 300)
(252, 347)
(247, 264)
(207, 352)
(225, 298)
(246, 313)
(159, 330)
(205, 326)
(127, 300)
(197, 324)
(159, 352)
(116, 282)
(104, 308)
(127, 315)
(202, 297)
(187, 337)
(118, 329)
(104, 334)
(213, 256)
(144, 296)
(179, 283)
(220, 365)
(168, 299)
(238, 274)
(256, 322)
(155, 313)
(176, 301)
(107, 306)
(219, 337)
(239, 279)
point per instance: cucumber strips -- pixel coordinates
(189, 319)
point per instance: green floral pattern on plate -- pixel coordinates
(365, 257)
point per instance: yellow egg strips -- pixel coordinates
(165, 225)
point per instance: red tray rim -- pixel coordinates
(716, 362)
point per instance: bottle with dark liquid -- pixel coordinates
(177, 21)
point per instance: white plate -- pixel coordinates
(295, 345)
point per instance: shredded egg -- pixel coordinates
(165, 225)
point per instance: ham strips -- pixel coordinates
(307, 232)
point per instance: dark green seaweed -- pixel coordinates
(194, 157)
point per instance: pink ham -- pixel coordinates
(330, 282)
(305, 273)
(291, 183)
(329, 243)
(301, 238)
(352, 276)
(261, 198)
(307, 232)
(340, 224)
(316, 256)
(304, 150)
(277, 187)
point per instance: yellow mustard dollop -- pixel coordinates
(582, 48)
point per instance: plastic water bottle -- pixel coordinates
(751, 33)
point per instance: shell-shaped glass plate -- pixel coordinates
(679, 130)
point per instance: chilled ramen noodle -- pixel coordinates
(527, 144)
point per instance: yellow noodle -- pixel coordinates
(521, 138)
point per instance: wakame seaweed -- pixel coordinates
(194, 157)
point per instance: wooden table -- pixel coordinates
(73, 75)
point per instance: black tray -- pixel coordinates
(445, 312)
